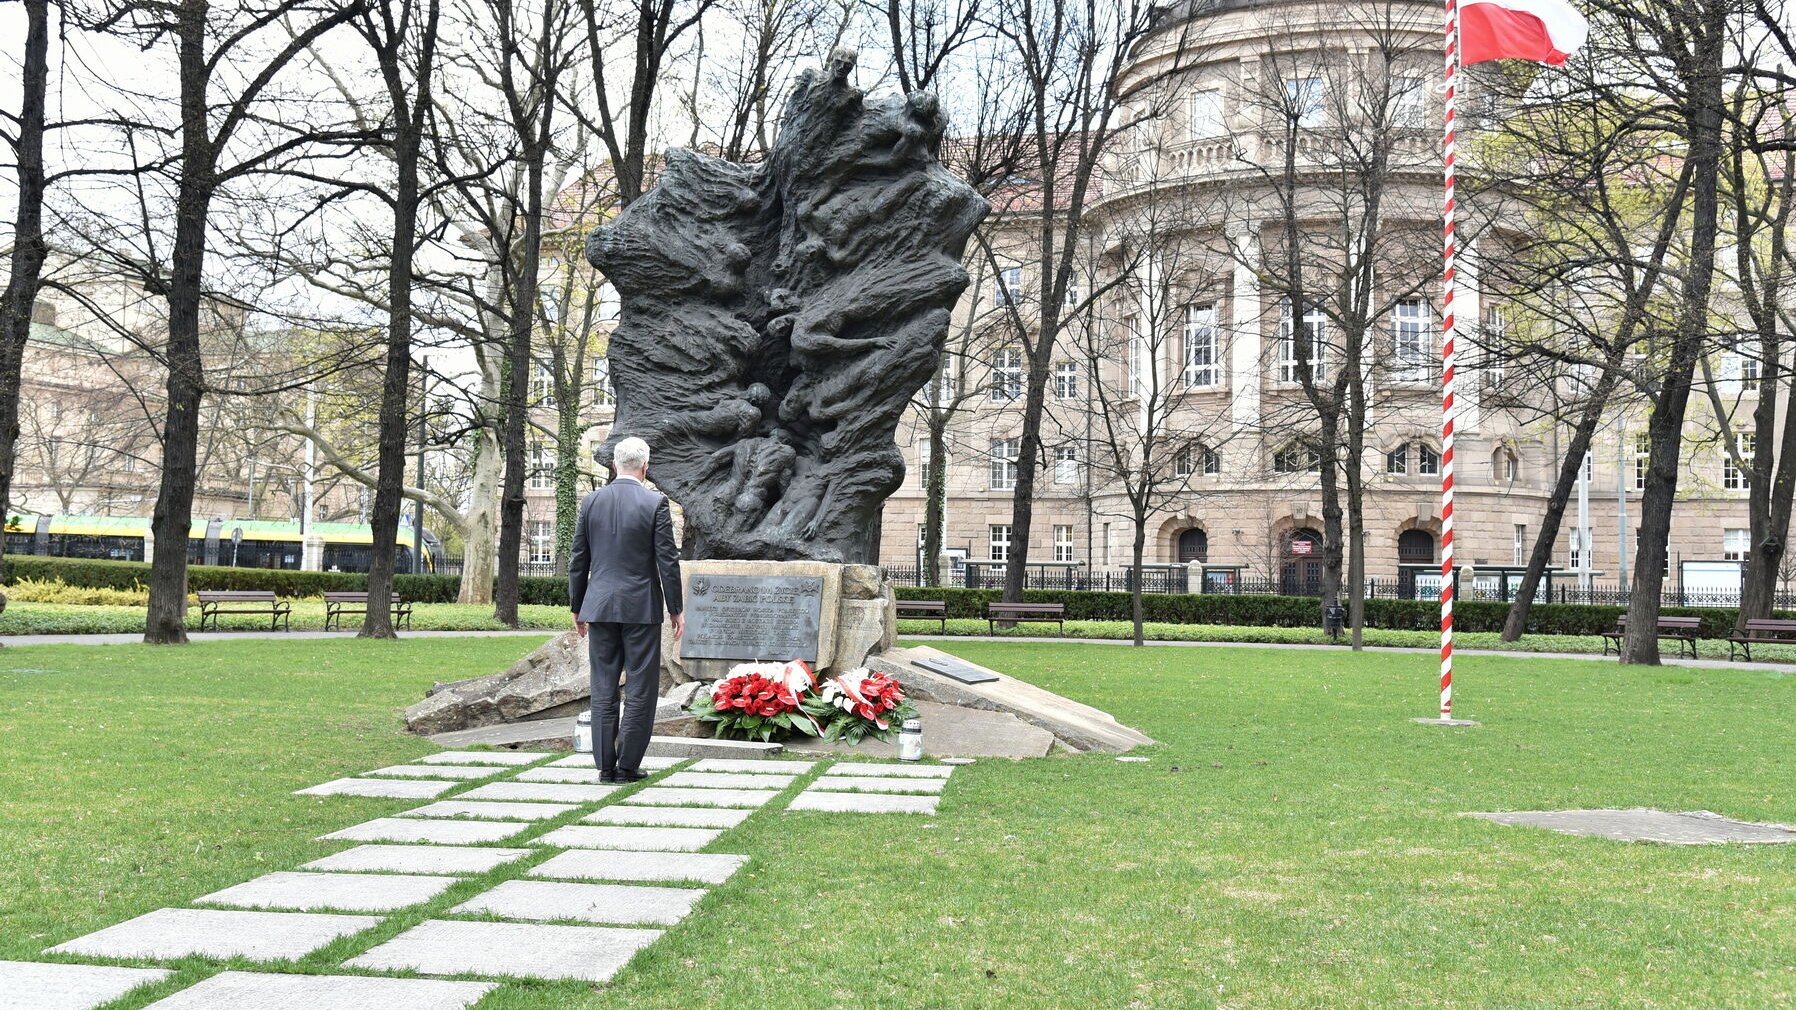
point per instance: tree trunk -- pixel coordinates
(1516, 622)
(1770, 509)
(935, 505)
(517, 386)
(1703, 120)
(1332, 526)
(1139, 550)
(29, 249)
(567, 471)
(1022, 509)
(1356, 512)
(479, 552)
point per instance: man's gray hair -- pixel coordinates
(631, 454)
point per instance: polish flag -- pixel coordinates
(1545, 31)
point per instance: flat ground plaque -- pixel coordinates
(966, 673)
(773, 618)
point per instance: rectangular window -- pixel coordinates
(1428, 461)
(1521, 544)
(602, 393)
(1412, 346)
(1589, 468)
(1573, 557)
(1063, 543)
(1733, 475)
(1066, 380)
(1200, 345)
(1643, 454)
(542, 542)
(542, 466)
(1106, 545)
(1184, 464)
(1138, 360)
(1008, 287)
(1209, 462)
(1496, 345)
(923, 461)
(1066, 465)
(1007, 374)
(1000, 542)
(1409, 97)
(1397, 460)
(1735, 544)
(1206, 115)
(1315, 328)
(1740, 364)
(947, 384)
(1004, 453)
(1304, 101)
(542, 385)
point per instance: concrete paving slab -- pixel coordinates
(442, 860)
(708, 747)
(616, 904)
(539, 792)
(1642, 824)
(578, 776)
(403, 789)
(868, 768)
(28, 986)
(417, 829)
(248, 990)
(863, 803)
(458, 772)
(346, 892)
(480, 757)
(481, 810)
(764, 766)
(610, 836)
(649, 764)
(872, 784)
(601, 864)
(509, 950)
(170, 933)
(673, 817)
(659, 796)
(727, 780)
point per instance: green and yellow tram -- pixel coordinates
(239, 543)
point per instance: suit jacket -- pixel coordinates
(625, 568)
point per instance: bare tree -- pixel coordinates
(620, 116)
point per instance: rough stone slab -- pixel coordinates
(649, 764)
(427, 859)
(1078, 726)
(480, 757)
(700, 747)
(1642, 824)
(529, 735)
(509, 950)
(1130, 760)
(616, 904)
(727, 780)
(539, 792)
(245, 990)
(415, 829)
(611, 836)
(170, 933)
(872, 784)
(949, 731)
(403, 789)
(968, 761)
(28, 986)
(760, 766)
(659, 796)
(601, 864)
(552, 676)
(889, 771)
(487, 811)
(588, 776)
(673, 817)
(432, 772)
(864, 803)
(347, 892)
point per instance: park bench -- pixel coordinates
(245, 601)
(338, 604)
(925, 610)
(1681, 630)
(1761, 631)
(1020, 613)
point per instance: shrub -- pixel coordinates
(41, 591)
(132, 576)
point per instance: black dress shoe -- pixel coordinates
(609, 777)
(624, 775)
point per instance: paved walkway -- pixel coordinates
(437, 890)
(1709, 664)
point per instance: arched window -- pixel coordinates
(1415, 547)
(1296, 457)
(1194, 545)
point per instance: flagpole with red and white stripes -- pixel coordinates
(1449, 282)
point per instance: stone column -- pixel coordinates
(1245, 365)
(311, 553)
(149, 546)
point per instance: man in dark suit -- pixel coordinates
(624, 571)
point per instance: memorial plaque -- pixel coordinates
(966, 673)
(764, 617)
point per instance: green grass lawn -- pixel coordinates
(1295, 841)
(24, 618)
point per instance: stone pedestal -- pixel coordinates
(857, 616)
(311, 555)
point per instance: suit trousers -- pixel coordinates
(633, 651)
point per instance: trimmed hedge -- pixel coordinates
(128, 574)
(1306, 612)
